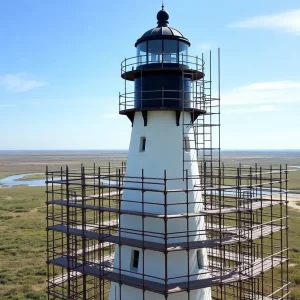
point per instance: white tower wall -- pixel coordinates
(163, 151)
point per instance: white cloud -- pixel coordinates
(259, 108)
(205, 47)
(273, 85)
(19, 82)
(263, 93)
(287, 22)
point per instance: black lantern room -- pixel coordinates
(162, 72)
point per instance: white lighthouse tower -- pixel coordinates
(172, 223)
(159, 253)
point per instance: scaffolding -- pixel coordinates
(204, 137)
(197, 100)
(246, 232)
(244, 208)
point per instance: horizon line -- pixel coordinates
(126, 150)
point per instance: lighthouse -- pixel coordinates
(171, 222)
(162, 199)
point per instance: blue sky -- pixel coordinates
(60, 69)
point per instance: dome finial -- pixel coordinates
(162, 17)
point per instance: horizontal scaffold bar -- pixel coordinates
(165, 245)
(103, 271)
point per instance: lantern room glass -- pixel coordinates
(154, 51)
(162, 51)
(142, 53)
(183, 53)
(170, 51)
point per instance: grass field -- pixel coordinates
(33, 176)
(22, 223)
(22, 248)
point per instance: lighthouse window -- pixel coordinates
(183, 52)
(183, 48)
(186, 144)
(142, 144)
(142, 53)
(135, 259)
(200, 259)
(154, 51)
(170, 51)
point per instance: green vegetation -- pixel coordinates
(23, 243)
(23, 268)
(33, 176)
(294, 181)
(5, 174)
(265, 160)
(294, 253)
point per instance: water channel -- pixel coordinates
(15, 180)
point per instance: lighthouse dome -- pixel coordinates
(162, 30)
